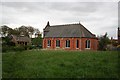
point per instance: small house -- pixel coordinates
(20, 40)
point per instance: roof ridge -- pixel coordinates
(65, 24)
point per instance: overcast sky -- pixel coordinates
(98, 17)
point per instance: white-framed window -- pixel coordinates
(49, 43)
(67, 44)
(77, 43)
(57, 43)
(87, 44)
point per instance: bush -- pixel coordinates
(103, 42)
(5, 48)
(30, 47)
(12, 48)
(118, 47)
(19, 48)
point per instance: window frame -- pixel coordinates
(67, 43)
(87, 44)
(48, 43)
(58, 45)
(77, 43)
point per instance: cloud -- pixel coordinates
(98, 17)
(59, 0)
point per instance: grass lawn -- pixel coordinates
(60, 64)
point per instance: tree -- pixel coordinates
(103, 41)
(23, 30)
(5, 30)
(8, 31)
(26, 30)
(37, 41)
(30, 31)
(7, 41)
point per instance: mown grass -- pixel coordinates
(60, 64)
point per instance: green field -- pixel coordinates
(60, 64)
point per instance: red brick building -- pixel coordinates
(69, 37)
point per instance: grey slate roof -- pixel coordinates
(70, 30)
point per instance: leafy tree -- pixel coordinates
(26, 30)
(15, 31)
(7, 41)
(103, 41)
(5, 30)
(37, 41)
(23, 30)
(30, 31)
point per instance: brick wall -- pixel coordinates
(93, 43)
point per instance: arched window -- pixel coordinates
(77, 43)
(49, 43)
(67, 43)
(57, 43)
(87, 44)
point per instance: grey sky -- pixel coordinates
(98, 17)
